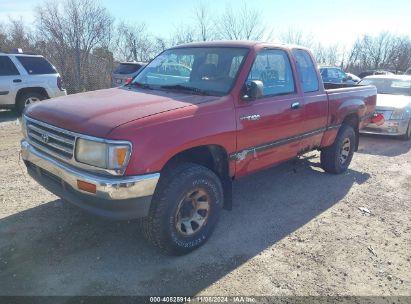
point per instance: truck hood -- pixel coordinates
(393, 101)
(97, 113)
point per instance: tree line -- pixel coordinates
(83, 40)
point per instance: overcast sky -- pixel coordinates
(329, 21)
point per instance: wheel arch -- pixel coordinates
(38, 90)
(353, 120)
(213, 157)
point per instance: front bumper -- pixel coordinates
(390, 127)
(125, 197)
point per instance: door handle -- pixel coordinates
(295, 105)
(16, 80)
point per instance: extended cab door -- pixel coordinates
(315, 100)
(267, 128)
(9, 80)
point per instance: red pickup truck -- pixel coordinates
(166, 147)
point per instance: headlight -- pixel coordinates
(397, 114)
(101, 154)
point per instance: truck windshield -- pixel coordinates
(389, 86)
(206, 71)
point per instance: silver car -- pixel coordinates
(125, 72)
(393, 102)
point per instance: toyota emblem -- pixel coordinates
(45, 138)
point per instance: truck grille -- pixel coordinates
(52, 140)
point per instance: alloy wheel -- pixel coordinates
(30, 100)
(345, 150)
(192, 212)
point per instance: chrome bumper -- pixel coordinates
(108, 188)
(390, 127)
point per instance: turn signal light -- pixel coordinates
(85, 186)
(121, 154)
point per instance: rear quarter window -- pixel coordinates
(36, 65)
(307, 71)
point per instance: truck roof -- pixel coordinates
(238, 43)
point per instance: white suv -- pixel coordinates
(25, 79)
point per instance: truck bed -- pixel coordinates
(331, 86)
(343, 98)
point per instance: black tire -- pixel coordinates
(335, 158)
(407, 134)
(21, 102)
(163, 227)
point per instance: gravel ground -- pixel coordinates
(294, 230)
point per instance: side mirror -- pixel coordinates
(253, 90)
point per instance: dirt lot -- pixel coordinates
(294, 230)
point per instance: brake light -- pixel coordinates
(60, 83)
(128, 80)
(378, 119)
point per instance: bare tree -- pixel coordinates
(297, 36)
(160, 44)
(133, 42)
(384, 51)
(15, 34)
(329, 55)
(75, 27)
(183, 34)
(204, 23)
(3, 37)
(400, 56)
(242, 24)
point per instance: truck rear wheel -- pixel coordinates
(337, 157)
(184, 210)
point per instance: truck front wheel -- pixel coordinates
(337, 157)
(184, 210)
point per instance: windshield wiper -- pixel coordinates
(185, 88)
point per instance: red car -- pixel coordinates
(166, 148)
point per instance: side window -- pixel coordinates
(333, 73)
(7, 67)
(307, 71)
(273, 68)
(341, 74)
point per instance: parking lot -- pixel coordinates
(294, 230)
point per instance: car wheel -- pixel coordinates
(27, 99)
(337, 157)
(407, 134)
(184, 210)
